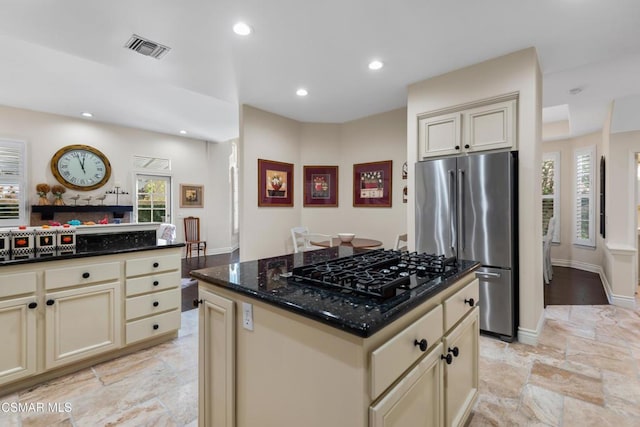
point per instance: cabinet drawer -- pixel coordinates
(152, 326)
(395, 356)
(459, 304)
(156, 302)
(156, 264)
(17, 284)
(154, 282)
(82, 275)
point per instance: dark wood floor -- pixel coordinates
(189, 293)
(574, 287)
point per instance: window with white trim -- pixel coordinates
(551, 192)
(12, 183)
(584, 197)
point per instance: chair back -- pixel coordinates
(550, 230)
(399, 246)
(299, 238)
(191, 229)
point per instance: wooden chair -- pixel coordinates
(399, 246)
(192, 236)
(301, 239)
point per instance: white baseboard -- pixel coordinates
(578, 265)
(529, 336)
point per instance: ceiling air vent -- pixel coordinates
(146, 47)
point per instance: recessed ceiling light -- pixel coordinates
(575, 90)
(376, 65)
(86, 114)
(242, 29)
(183, 132)
(302, 92)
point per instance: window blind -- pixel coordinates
(551, 192)
(12, 173)
(584, 218)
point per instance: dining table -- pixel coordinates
(356, 242)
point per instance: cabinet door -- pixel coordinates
(82, 322)
(216, 361)
(490, 127)
(416, 400)
(18, 338)
(439, 135)
(461, 375)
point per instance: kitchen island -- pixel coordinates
(276, 351)
(62, 313)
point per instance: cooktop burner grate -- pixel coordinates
(379, 273)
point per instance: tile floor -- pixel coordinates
(584, 372)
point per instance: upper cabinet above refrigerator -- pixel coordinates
(484, 127)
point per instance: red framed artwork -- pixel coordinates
(321, 186)
(372, 184)
(275, 183)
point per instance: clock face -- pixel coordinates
(81, 167)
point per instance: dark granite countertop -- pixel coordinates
(361, 316)
(91, 253)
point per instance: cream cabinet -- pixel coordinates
(81, 322)
(153, 298)
(481, 128)
(18, 306)
(216, 359)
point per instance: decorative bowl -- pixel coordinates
(346, 237)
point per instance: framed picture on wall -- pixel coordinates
(275, 183)
(191, 196)
(320, 186)
(372, 184)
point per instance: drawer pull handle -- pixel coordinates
(457, 147)
(32, 305)
(454, 350)
(448, 358)
(156, 265)
(197, 302)
(422, 344)
(156, 283)
(156, 303)
(86, 275)
(466, 145)
(470, 301)
(155, 326)
(50, 302)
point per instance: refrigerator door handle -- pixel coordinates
(488, 275)
(461, 208)
(452, 224)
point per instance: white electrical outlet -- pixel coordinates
(247, 316)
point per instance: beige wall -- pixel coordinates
(566, 253)
(269, 136)
(193, 162)
(518, 72)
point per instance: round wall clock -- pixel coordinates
(80, 167)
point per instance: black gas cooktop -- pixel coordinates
(381, 274)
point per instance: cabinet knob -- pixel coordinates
(422, 344)
(448, 358)
(470, 301)
(156, 303)
(86, 275)
(197, 302)
(156, 265)
(50, 302)
(155, 326)
(156, 283)
(454, 350)
(466, 145)
(457, 147)
(32, 305)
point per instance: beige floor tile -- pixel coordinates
(622, 393)
(189, 324)
(557, 312)
(579, 413)
(567, 383)
(541, 406)
(63, 389)
(592, 315)
(46, 419)
(151, 414)
(495, 411)
(492, 348)
(525, 355)
(182, 403)
(501, 379)
(600, 355)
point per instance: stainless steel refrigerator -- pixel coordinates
(467, 206)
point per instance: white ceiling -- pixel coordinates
(66, 57)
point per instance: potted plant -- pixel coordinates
(42, 190)
(58, 191)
